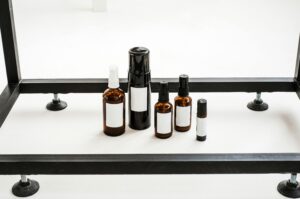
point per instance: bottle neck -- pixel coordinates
(183, 92)
(163, 100)
(139, 80)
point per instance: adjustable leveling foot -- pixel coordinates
(290, 188)
(56, 104)
(258, 104)
(25, 187)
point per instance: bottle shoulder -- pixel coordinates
(183, 101)
(163, 106)
(114, 94)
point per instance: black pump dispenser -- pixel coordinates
(163, 92)
(139, 90)
(183, 89)
(139, 72)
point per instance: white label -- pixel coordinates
(164, 122)
(114, 115)
(138, 99)
(201, 127)
(183, 116)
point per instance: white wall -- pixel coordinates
(65, 38)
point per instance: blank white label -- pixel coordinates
(164, 122)
(138, 99)
(114, 115)
(201, 126)
(183, 115)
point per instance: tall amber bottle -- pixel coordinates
(163, 110)
(183, 106)
(113, 106)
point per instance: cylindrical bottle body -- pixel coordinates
(183, 113)
(139, 107)
(139, 90)
(163, 119)
(114, 112)
(201, 128)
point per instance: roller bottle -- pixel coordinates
(201, 120)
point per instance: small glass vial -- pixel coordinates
(113, 106)
(183, 106)
(201, 119)
(163, 111)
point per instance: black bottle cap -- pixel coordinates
(163, 92)
(139, 70)
(202, 108)
(201, 138)
(183, 89)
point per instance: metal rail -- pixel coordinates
(150, 163)
(196, 85)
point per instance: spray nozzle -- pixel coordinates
(113, 81)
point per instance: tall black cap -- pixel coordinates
(183, 89)
(163, 92)
(139, 60)
(202, 108)
(139, 70)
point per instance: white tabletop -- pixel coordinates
(232, 127)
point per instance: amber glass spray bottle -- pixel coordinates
(113, 106)
(183, 106)
(163, 113)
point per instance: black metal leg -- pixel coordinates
(56, 104)
(9, 42)
(258, 104)
(290, 188)
(25, 187)
(7, 99)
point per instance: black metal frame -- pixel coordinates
(134, 163)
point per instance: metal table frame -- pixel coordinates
(134, 163)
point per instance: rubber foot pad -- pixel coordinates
(258, 106)
(25, 189)
(56, 105)
(288, 189)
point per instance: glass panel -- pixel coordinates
(65, 38)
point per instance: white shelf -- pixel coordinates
(232, 128)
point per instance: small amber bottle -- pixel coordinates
(183, 106)
(113, 106)
(163, 110)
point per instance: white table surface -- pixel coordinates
(232, 127)
(201, 38)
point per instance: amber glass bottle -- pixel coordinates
(163, 113)
(183, 106)
(113, 106)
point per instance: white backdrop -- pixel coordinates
(64, 38)
(201, 38)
